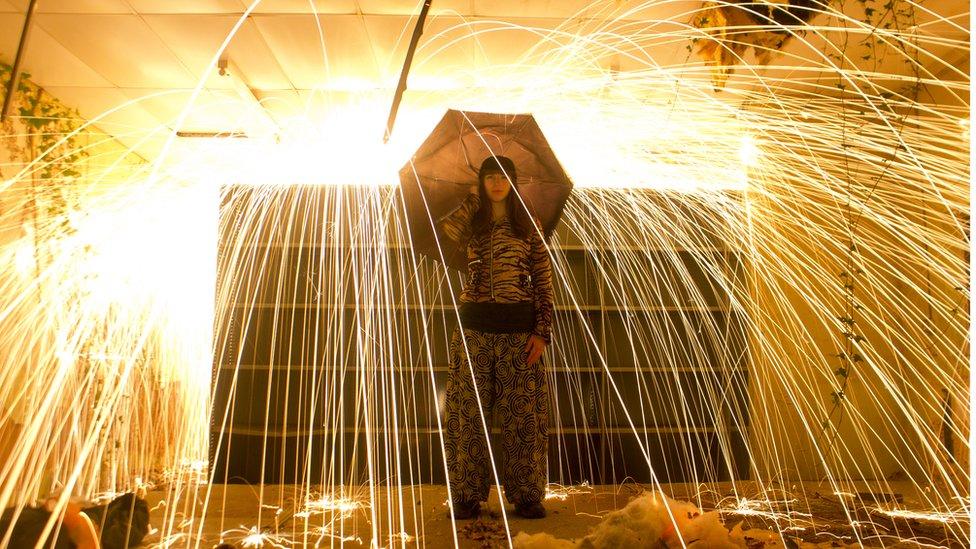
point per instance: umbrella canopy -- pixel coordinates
(437, 178)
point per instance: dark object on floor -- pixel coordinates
(485, 533)
(29, 526)
(466, 510)
(123, 523)
(531, 510)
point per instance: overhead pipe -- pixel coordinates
(15, 71)
(402, 84)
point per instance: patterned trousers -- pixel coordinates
(519, 395)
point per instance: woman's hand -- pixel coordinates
(535, 347)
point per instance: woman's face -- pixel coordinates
(497, 186)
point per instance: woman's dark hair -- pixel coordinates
(519, 218)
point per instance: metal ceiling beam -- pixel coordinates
(15, 71)
(402, 84)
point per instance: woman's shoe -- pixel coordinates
(466, 510)
(530, 510)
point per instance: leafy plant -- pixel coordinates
(43, 136)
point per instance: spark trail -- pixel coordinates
(765, 283)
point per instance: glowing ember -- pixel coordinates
(252, 537)
(329, 504)
(768, 509)
(562, 493)
(934, 516)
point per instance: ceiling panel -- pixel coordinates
(188, 6)
(412, 7)
(74, 6)
(10, 27)
(458, 49)
(345, 7)
(197, 39)
(210, 111)
(51, 64)
(282, 104)
(258, 63)
(343, 53)
(389, 38)
(81, 49)
(537, 8)
(362, 114)
(92, 103)
(130, 123)
(123, 48)
(450, 47)
(568, 10)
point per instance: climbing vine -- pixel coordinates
(859, 37)
(881, 18)
(42, 141)
(41, 135)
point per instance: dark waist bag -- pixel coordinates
(498, 318)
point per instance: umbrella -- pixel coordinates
(437, 178)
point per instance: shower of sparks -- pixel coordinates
(779, 269)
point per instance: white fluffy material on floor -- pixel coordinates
(647, 523)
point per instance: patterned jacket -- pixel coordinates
(503, 268)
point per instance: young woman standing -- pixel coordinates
(506, 319)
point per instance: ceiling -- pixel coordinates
(134, 64)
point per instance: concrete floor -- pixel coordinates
(234, 509)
